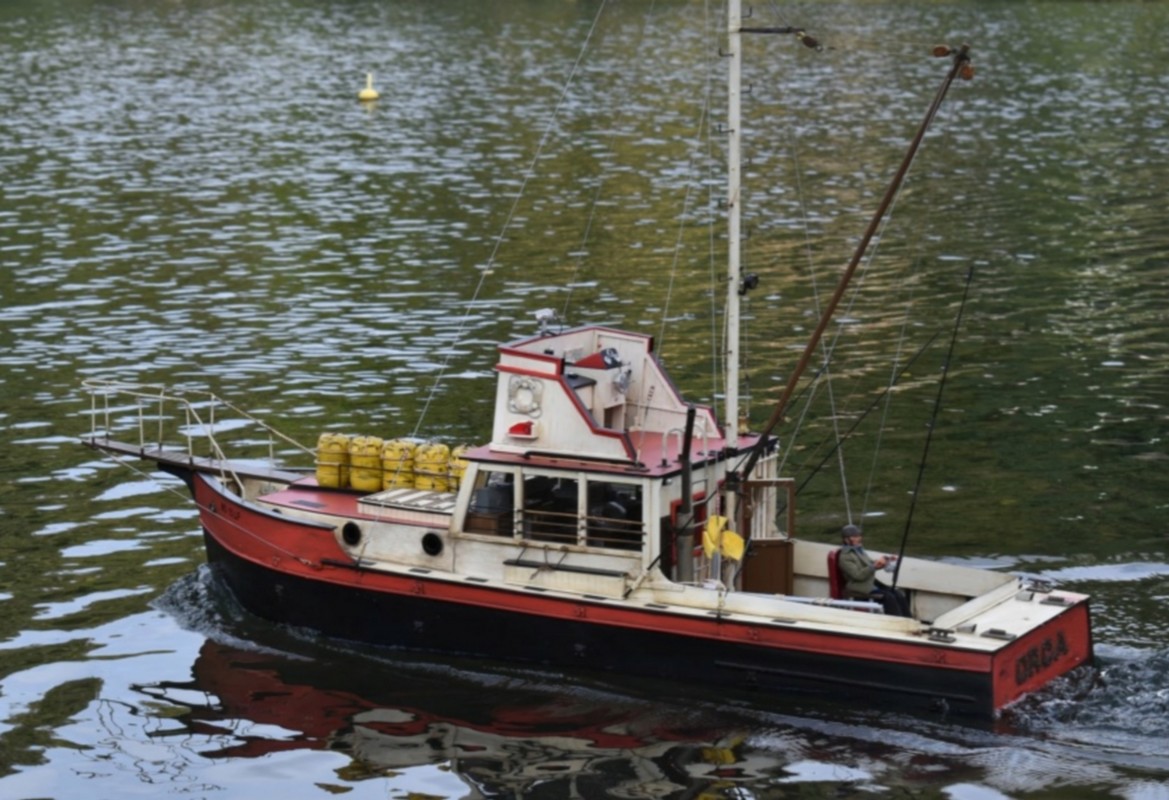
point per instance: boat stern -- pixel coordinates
(1045, 652)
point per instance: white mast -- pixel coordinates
(734, 114)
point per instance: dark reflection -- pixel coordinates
(528, 734)
(499, 735)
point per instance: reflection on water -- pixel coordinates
(524, 736)
(192, 195)
(198, 698)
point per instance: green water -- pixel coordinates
(190, 193)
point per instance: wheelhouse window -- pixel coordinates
(578, 510)
(614, 518)
(551, 509)
(492, 507)
(557, 508)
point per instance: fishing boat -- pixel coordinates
(607, 525)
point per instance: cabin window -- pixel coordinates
(577, 510)
(550, 509)
(613, 517)
(492, 507)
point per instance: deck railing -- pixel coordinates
(174, 421)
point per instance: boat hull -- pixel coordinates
(412, 618)
(250, 550)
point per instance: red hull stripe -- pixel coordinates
(312, 553)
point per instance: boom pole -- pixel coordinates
(960, 67)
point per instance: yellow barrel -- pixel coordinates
(365, 463)
(457, 466)
(430, 467)
(398, 464)
(333, 460)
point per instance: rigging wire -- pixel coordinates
(960, 66)
(933, 421)
(594, 205)
(703, 124)
(826, 349)
(885, 393)
(801, 196)
(894, 374)
(947, 134)
(825, 370)
(715, 270)
(714, 266)
(529, 173)
(824, 374)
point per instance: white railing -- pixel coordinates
(176, 421)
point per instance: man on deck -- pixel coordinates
(860, 574)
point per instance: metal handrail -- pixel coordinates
(111, 398)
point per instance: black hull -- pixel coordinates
(420, 623)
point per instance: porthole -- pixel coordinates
(432, 544)
(351, 534)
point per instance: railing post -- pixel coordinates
(161, 411)
(141, 423)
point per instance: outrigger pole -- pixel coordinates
(960, 68)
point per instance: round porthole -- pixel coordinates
(432, 544)
(351, 534)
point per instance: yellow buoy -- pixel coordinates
(398, 464)
(365, 463)
(333, 460)
(368, 93)
(430, 467)
(458, 466)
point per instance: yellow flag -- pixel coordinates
(715, 536)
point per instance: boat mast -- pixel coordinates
(734, 117)
(734, 182)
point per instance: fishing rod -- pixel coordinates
(961, 67)
(929, 436)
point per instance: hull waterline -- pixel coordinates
(420, 611)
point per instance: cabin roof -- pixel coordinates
(597, 399)
(598, 396)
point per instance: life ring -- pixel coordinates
(524, 395)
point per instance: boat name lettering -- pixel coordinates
(1040, 657)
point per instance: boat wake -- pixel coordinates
(1127, 692)
(201, 605)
